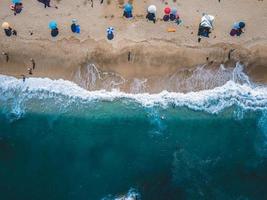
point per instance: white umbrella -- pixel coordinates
(207, 21)
(152, 9)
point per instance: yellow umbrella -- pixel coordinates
(5, 25)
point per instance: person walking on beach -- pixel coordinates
(33, 63)
(6, 55)
(23, 78)
(30, 70)
(8, 30)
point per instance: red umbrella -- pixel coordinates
(167, 10)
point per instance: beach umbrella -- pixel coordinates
(167, 10)
(16, 1)
(174, 11)
(128, 8)
(53, 25)
(152, 9)
(5, 25)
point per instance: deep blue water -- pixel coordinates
(56, 148)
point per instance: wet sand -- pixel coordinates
(154, 53)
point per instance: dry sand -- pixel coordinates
(154, 52)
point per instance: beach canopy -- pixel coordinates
(16, 1)
(207, 21)
(53, 25)
(5, 25)
(110, 30)
(167, 10)
(128, 7)
(152, 9)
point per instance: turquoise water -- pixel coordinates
(58, 141)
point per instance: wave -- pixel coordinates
(245, 96)
(132, 194)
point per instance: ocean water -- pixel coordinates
(59, 141)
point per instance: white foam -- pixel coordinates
(212, 101)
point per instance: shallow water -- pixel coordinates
(59, 141)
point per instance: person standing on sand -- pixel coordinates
(33, 63)
(6, 55)
(45, 2)
(23, 78)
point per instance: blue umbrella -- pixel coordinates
(16, 1)
(128, 8)
(53, 25)
(174, 11)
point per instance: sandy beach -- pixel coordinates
(154, 52)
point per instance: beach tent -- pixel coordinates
(152, 9)
(207, 21)
(128, 7)
(53, 25)
(110, 33)
(5, 25)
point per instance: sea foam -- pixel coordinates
(246, 96)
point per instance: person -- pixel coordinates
(151, 13)
(167, 12)
(6, 55)
(173, 14)
(23, 78)
(75, 28)
(33, 63)
(110, 33)
(127, 12)
(45, 2)
(237, 29)
(54, 29)
(205, 26)
(54, 32)
(17, 8)
(8, 30)
(30, 71)
(151, 17)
